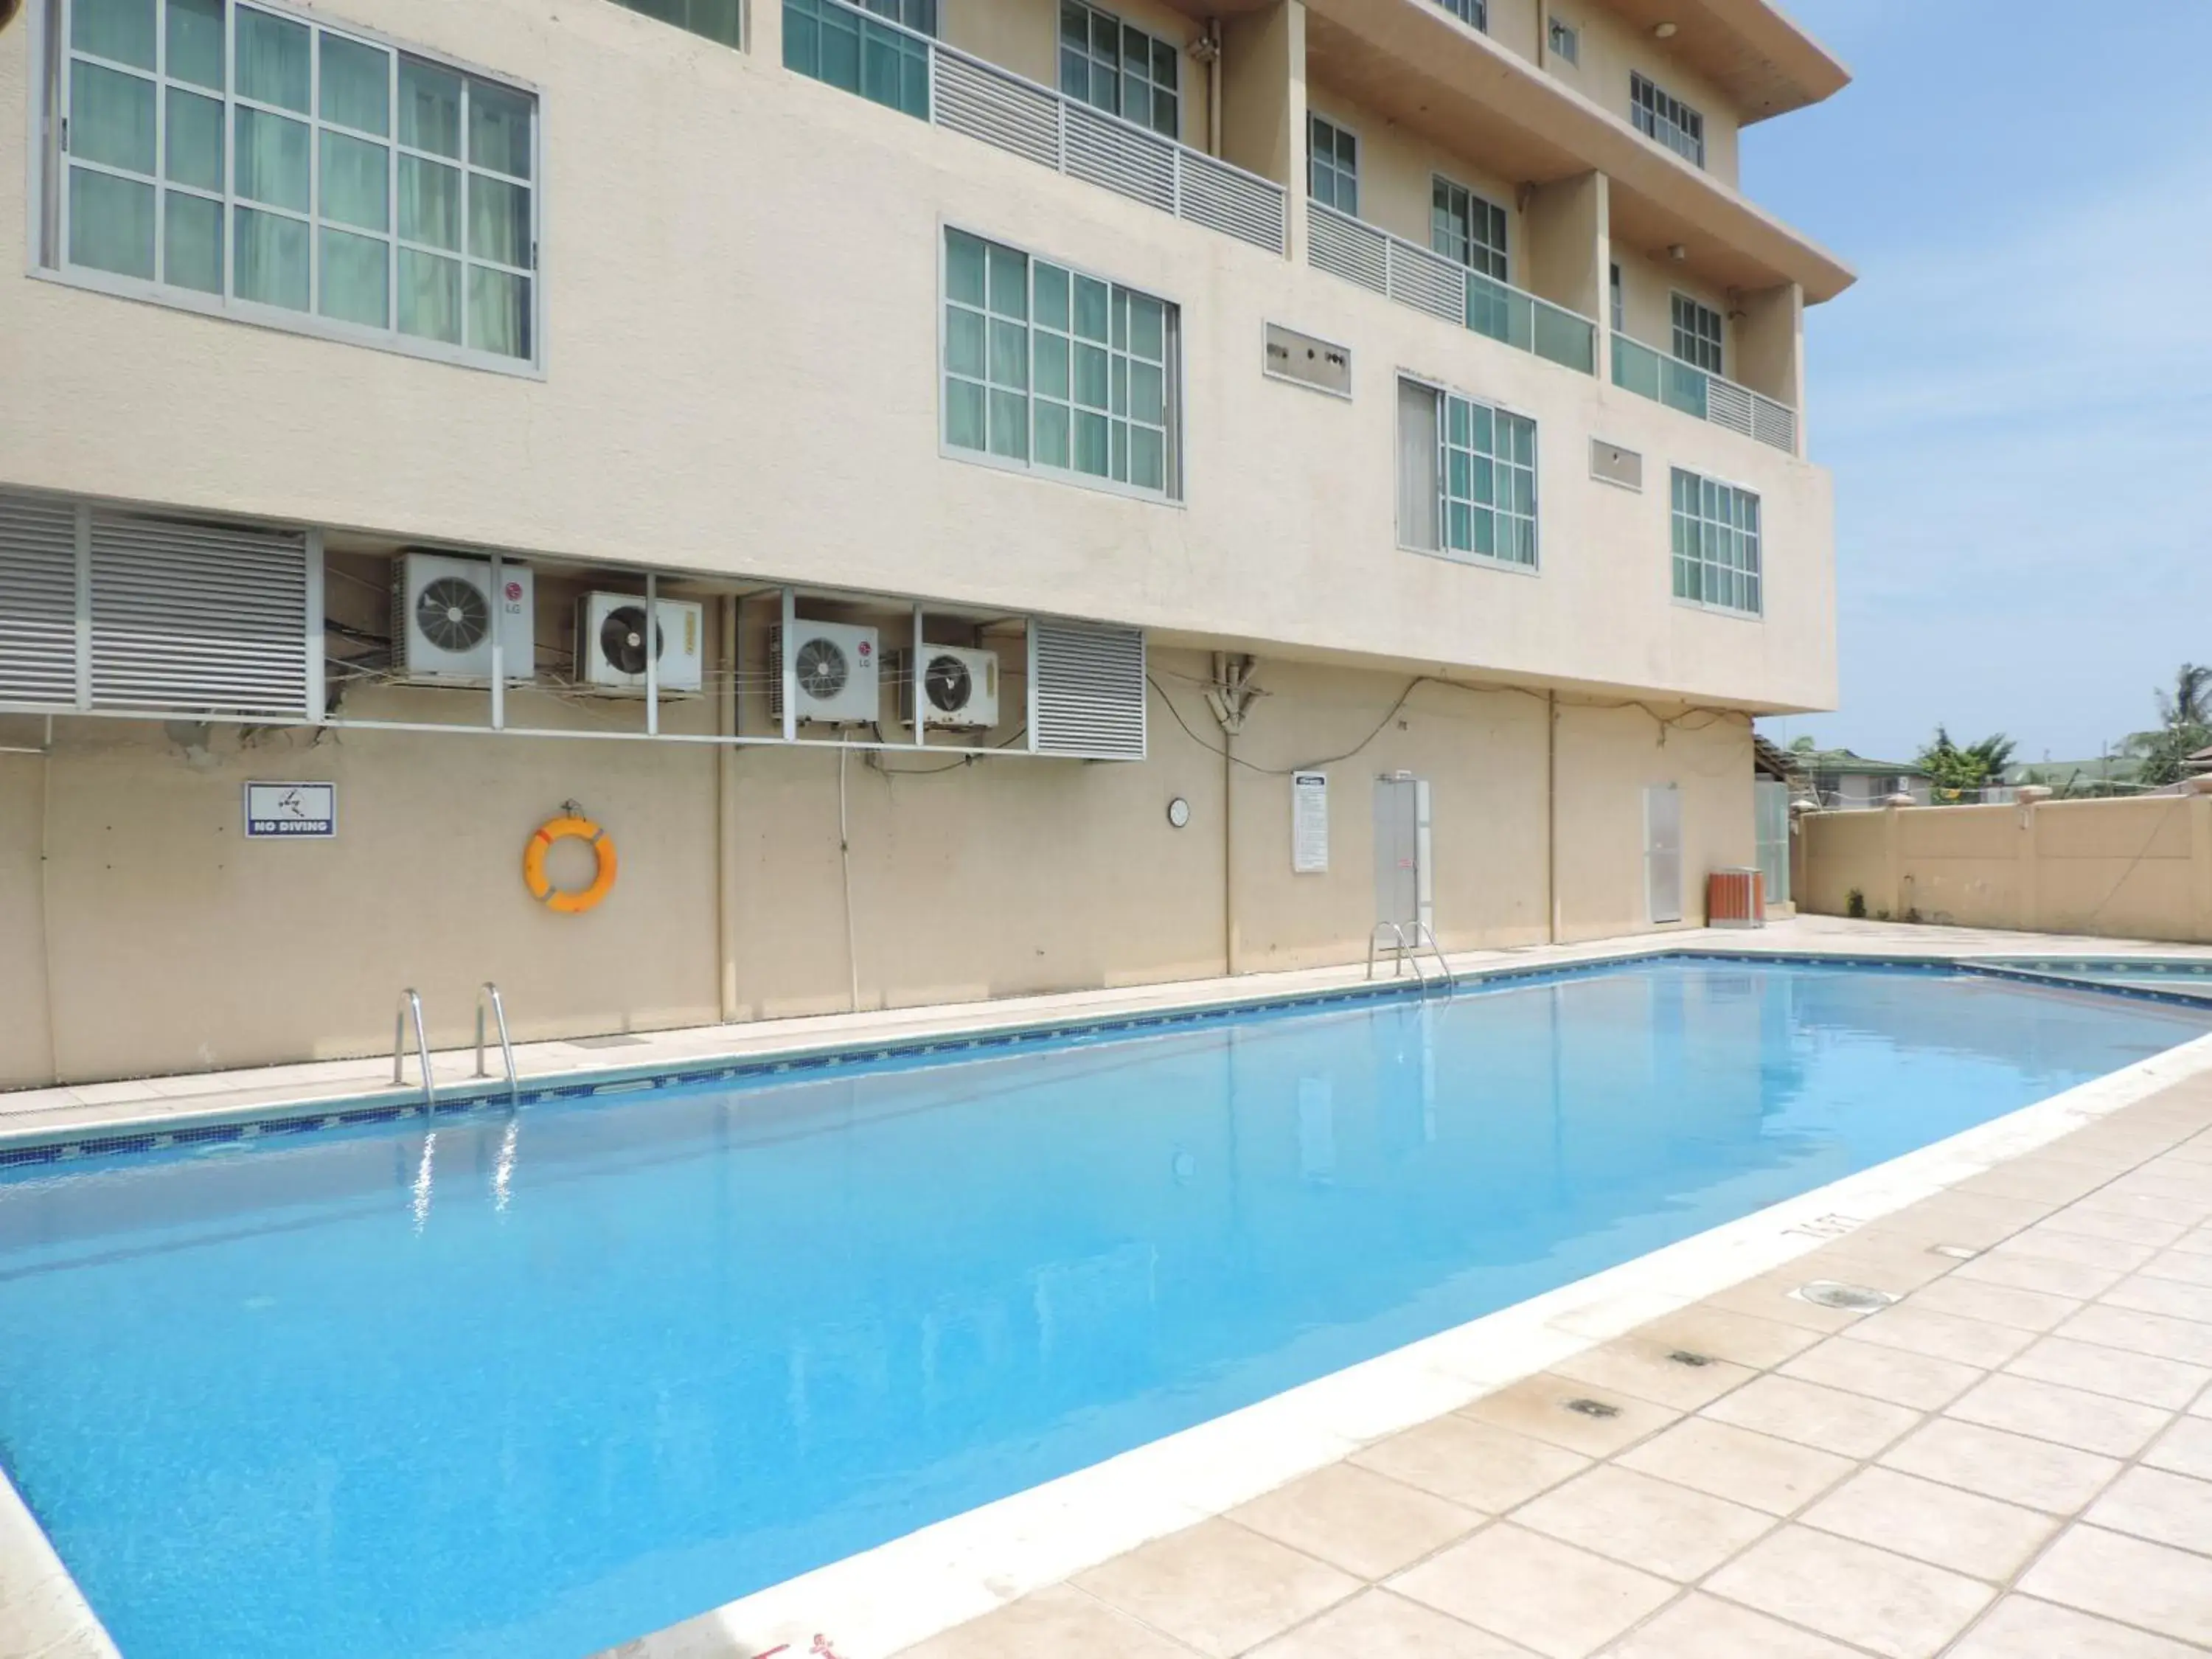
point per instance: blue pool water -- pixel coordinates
(567, 1376)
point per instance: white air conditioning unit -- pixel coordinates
(443, 611)
(833, 667)
(959, 688)
(611, 643)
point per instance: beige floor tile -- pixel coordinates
(1921, 1381)
(2049, 1411)
(1994, 1304)
(1705, 1627)
(1739, 1465)
(2055, 1478)
(1649, 1371)
(1975, 1222)
(2186, 1448)
(1720, 1334)
(1814, 1415)
(1218, 1588)
(2033, 1273)
(1563, 1603)
(1646, 1522)
(2148, 1585)
(1580, 1416)
(1061, 1622)
(1943, 1335)
(2022, 1627)
(2126, 1229)
(1353, 1518)
(2141, 1333)
(2117, 1371)
(1964, 1531)
(2173, 1299)
(2049, 1244)
(1377, 1625)
(1768, 1296)
(1878, 1260)
(1472, 1463)
(2181, 1266)
(1890, 1604)
(2157, 1205)
(2160, 1505)
(2197, 1243)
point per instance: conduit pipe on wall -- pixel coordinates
(1552, 816)
(1212, 38)
(845, 870)
(725, 722)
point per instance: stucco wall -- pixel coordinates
(177, 946)
(2122, 869)
(741, 273)
(1612, 52)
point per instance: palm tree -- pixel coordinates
(2189, 702)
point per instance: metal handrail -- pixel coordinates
(411, 1007)
(1399, 961)
(1666, 378)
(487, 991)
(1422, 930)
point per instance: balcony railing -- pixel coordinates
(896, 66)
(1678, 385)
(1412, 276)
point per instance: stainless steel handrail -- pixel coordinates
(1399, 961)
(1423, 931)
(489, 990)
(411, 1007)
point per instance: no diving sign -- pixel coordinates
(291, 811)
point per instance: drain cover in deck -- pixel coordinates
(1849, 1299)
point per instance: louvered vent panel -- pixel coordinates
(197, 617)
(1090, 691)
(38, 602)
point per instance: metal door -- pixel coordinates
(1662, 852)
(1402, 895)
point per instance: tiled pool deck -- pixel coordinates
(1677, 1459)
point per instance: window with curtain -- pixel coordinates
(1716, 545)
(718, 20)
(886, 61)
(1666, 120)
(241, 158)
(1464, 228)
(1118, 68)
(1697, 334)
(1048, 368)
(1467, 477)
(1332, 165)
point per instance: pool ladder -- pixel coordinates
(409, 1017)
(1407, 948)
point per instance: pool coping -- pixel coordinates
(952, 1571)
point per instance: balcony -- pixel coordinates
(1412, 276)
(1637, 368)
(906, 70)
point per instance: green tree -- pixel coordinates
(1958, 772)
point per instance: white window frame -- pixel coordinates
(46, 252)
(1757, 571)
(1344, 129)
(1123, 29)
(1700, 311)
(1564, 40)
(1475, 14)
(1176, 494)
(1492, 211)
(1443, 549)
(1665, 120)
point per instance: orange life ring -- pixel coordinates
(534, 865)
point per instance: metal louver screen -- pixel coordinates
(198, 617)
(38, 602)
(1090, 691)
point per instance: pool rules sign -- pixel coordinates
(1309, 824)
(291, 811)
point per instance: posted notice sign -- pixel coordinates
(1309, 824)
(291, 811)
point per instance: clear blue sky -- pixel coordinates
(2016, 399)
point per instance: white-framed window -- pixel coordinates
(1332, 165)
(1697, 334)
(718, 20)
(1473, 13)
(1467, 477)
(1566, 42)
(1464, 226)
(1118, 68)
(255, 162)
(1717, 544)
(1054, 370)
(1620, 306)
(1666, 120)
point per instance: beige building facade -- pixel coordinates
(1473, 453)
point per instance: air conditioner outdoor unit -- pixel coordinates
(959, 688)
(833, 667)
(611, 643)
(443, 611)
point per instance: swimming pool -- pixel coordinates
(2177, 976)
(547, 1381)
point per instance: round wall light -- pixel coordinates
(1178, 812)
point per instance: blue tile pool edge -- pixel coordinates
(32, 1145)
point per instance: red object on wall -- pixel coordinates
(1735, 898)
